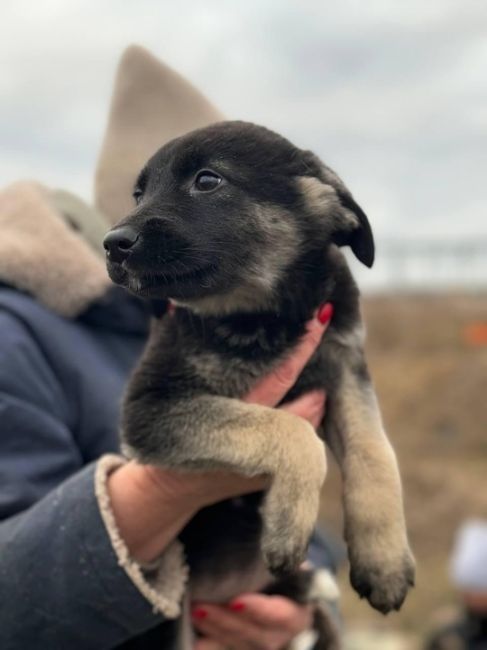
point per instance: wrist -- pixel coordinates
(181, 489)
(148, 508)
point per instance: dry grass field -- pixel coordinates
(431, 379)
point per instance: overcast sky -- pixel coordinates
(391, 94)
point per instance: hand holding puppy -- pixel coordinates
(251, 621)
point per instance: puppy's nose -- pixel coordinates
(118, 243)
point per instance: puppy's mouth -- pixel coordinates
(168, 283)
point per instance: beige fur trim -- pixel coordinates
(82, 218)
(166, 585)
(42, 255)
(151, 104)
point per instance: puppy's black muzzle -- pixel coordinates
(119, 243)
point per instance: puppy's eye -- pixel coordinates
(207, 181)
(137, 194)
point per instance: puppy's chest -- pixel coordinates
(235, 376)
(228, 376)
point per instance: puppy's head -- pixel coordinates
(221, 213)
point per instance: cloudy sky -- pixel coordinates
(391, 93)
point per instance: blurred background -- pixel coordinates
(393, 96)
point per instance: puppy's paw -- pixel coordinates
(383, 581)
(288, 526)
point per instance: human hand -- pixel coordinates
(250, 622)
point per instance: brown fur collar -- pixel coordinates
(42, 252)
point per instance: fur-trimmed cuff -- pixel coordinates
(163, 583)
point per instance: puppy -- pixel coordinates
(241, 231)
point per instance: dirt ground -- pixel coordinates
(431, 379)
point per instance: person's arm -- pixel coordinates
(61, 580)
(67, 577)
(61, 585)
(68, 564)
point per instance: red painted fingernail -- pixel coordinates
(237, 606)
(199, 613)
(325, 313)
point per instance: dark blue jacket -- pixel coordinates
(60, 386)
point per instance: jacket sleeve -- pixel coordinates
(66, 579)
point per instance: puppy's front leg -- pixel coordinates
(382, 566)
(208, 432)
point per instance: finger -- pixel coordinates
(208, 644)
(274, 612)
(224, 638)
(229, 628)
(310, 406)
(270, 390)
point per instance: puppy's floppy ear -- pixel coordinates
(325, 193)
(360, 239)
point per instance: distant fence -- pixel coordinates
(428, 265)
